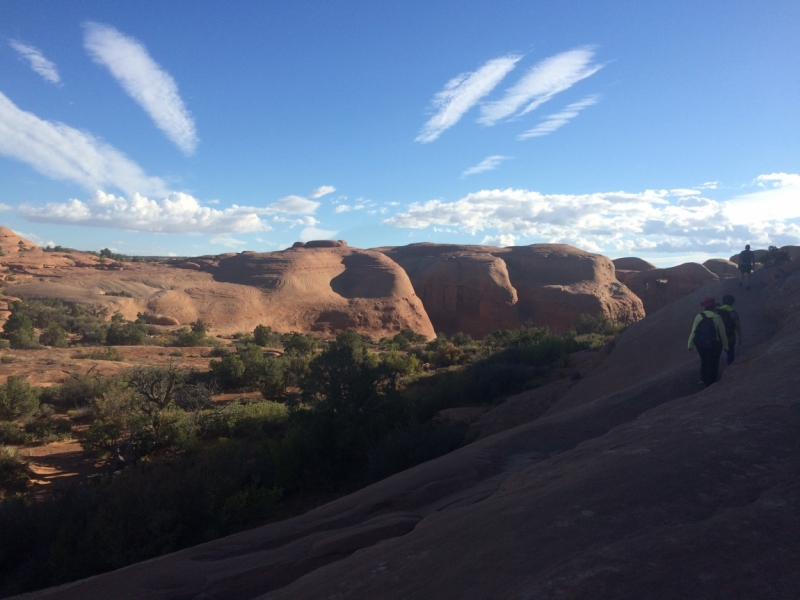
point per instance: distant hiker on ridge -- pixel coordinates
(746, 259)
(733, 328)
(709, 337)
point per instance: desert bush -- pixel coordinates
(266, 336)
(17, 398)
(14, 472)
(195, 335)
(112, 354)
(48, 429)
(11, 434)
(54, 336)
(299, 343)
(78, 389)
(774, 257)
(18, 330)
(244, 419)
(121, 333)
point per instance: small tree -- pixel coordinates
(774, 257)
(266, 336)
(18, 330)
(54, 336)
(17, 398)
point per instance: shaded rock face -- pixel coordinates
(635, 484)
(480, 289)
(659, 287)
(632, 263)
(722, 268)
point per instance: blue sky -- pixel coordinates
(667, 130)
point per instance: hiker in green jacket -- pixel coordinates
(709, 337)
(733, 328)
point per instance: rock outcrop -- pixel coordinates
(479, 289)
(722, 268)
(635, 484)
(659, 287)
(632, 263)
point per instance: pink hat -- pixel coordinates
(708, 303)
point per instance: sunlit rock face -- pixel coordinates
(480, 289)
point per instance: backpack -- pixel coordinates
(729, 320)
(705, 334)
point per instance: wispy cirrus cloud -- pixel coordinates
(541, 82)
(461, 93)
(652, 220)
(143, 80)
(62, 152)
(559, 119)
(37, 61)
(487, 164)
(322, 190)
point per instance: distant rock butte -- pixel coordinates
(632, 263)
(480, 289)
(659, 287)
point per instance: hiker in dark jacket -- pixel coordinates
(709, 337)
(733, 328)
(746, 260)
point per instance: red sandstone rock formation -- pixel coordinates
(479, 289)
(659, 287)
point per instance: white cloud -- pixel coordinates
(176, 213)
(62, 152)
(542, 81)
(559, 119)
(312, 233)
(708, 185)
(461, 93)
(504, 240)
(346, 208)
(622, 221)
(296, 205)
(227, 240)
(487, 164)
(144, 80)
(5, 207)
(322, 190)
(37, 60)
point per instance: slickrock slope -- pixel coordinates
(633, 263)
(479, 289)
(659, 287)
(636, 484)
(722, 268)
(323, 288)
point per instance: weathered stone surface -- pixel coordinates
(480, 289)
(722, 268)
(152, 319)
(635, 484)
(632, 263)
(660, 287)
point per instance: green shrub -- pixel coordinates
(112, 354)
(266, 336)
(774, 257)
(54, 336)
(240, 419)
(48, 429)
(126, 334)
(299, 343)
(12, 435)
(18, 330)
(14, 472)
(17, 398)
(78, 390)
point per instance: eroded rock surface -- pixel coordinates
(480, 289)
(659, 287)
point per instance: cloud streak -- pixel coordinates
(62, 152)
(461, 93)
(487, 164)
(143, 80)
(540, 83)
(322, 190)
(559, 119)
(37, 61)
(653, 220)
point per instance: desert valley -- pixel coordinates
(422, 421)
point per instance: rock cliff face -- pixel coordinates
(479, 289)
(659, 287)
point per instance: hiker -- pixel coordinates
(746, 259)
(733, 328)
(709, 337)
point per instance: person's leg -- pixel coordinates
(713, 367)
(705, 365)
(731, 350)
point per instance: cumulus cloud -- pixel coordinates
(461, 93)
(504, 240)
(559, 119)
(322, 190)
(312, 233)
(143, 80)
(176, 213)
(296, 205)
(487, 164)
(37, 61)
(620, 221)
(62, 152)
(346, 208)
(541, 82)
